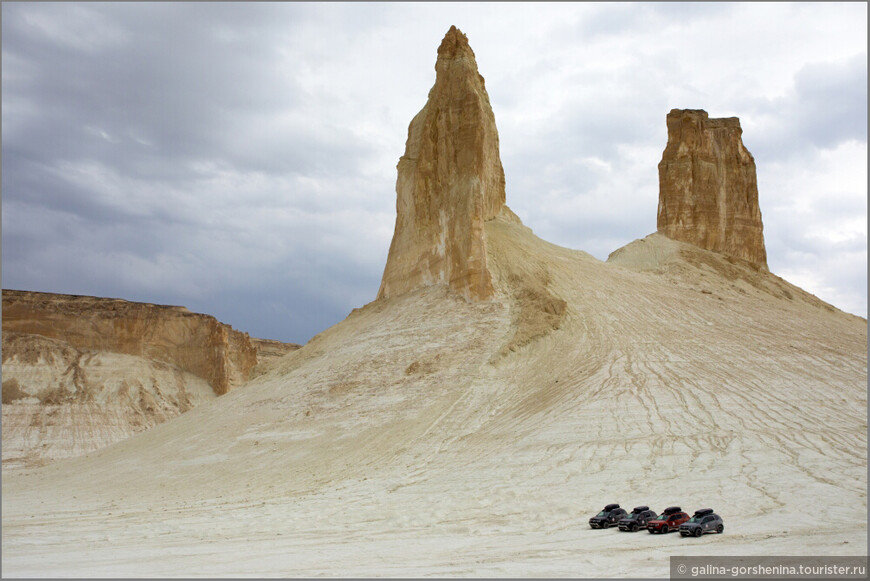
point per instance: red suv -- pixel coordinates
(669, 520)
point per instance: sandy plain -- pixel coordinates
(428, 436)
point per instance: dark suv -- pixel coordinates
(637, 518)
(704, 521)
(607, 517)
(669, 520)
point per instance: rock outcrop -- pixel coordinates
(80, 373)
(450, 182)
(269, 350)
(62, 402)
(708, 193)
(198, 344)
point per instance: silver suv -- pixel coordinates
(703, 521)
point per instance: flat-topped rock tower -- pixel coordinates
(450, 182)
(708, 192)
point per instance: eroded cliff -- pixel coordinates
(80, 373)
(196, 343)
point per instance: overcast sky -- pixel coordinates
(240, 159)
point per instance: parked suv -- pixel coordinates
(703, 521)
(607, 517)
(669, 520)
(637, 518)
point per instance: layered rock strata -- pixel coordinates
(708, 192)
(195, 343)
(81, 373)
(269, 350)
(62, 402)
(450, 182)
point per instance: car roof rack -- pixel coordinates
(704, 512)
(640, 508)
(673, 509)
(611, 506)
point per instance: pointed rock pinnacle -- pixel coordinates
(455, 45)
(450, 182)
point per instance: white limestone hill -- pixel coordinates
(427, 435)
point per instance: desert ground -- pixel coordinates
(426, 435)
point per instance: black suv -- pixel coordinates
(607, 517)
(703, 521)
(636, 519)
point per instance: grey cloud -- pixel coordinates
(228, 272)
(628, 18)
(827, 106)
(128, 153)
(170, 90)
(832, 100)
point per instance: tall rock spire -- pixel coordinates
(708, 193)
(450, 182)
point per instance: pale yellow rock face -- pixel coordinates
(81, 373)
(198, 344)
(450, 183)
(63, 402)
(708, 192)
